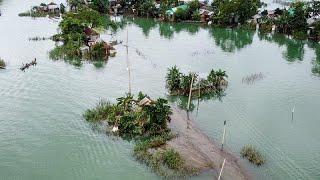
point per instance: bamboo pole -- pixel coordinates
(190, 92)
(224, 161)
(224, 134)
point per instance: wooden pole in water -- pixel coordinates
(224, 161)
(199, 94)
(224, 134)
(293, 109)
(190, 92)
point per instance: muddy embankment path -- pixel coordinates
(200, 151)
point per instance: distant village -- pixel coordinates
(83, 17)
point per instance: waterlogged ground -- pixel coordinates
(43, 135)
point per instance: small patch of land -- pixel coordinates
(199, 151)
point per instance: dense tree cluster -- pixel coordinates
(179, 83)
(234, 11)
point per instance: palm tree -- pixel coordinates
(186, 82)
(173, 79)
(125, 102)
(220, 76)
(212, 77)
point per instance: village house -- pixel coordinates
(205, 14)
(53, 7)
(91, 35)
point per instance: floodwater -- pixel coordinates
(43, 134)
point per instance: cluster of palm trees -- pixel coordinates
(179, 83)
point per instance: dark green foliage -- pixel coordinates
(189, 13)
(2, 64)
(98, 51)
(132, 119)
(181, 14)
(173, 78)
(194, 5)
(293, 21)
(69, 51)
(253, 155)
(101, 6)
(62, 8)
(227, 11)
(300, 35)
(196, 16)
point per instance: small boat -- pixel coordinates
(27, 65)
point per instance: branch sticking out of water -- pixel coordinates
(251, 79)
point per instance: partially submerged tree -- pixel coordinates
(2, 64)
(179, 83)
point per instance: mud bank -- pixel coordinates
(201, 152)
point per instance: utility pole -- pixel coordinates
(224, 161)
(224, 134)
(292, 112)
(128, 64)
(199, 94)
(190, 91)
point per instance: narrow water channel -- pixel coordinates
(43, 134)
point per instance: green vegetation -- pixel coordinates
(79, 36)
(253, 155)
(2, 64)
(179, 84)
(191, 12)
(145, 121)
(294, 20)
(133, 119)
(229, 12)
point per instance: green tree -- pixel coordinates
(62, 8)
(242, 10)
(173, 78)
(101, 6)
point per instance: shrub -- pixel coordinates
(99, 113)
(181, 14)
(196, 16)
(194, 5)
(172, 159)
(98, 51)
(300, 35)
(253, 155)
